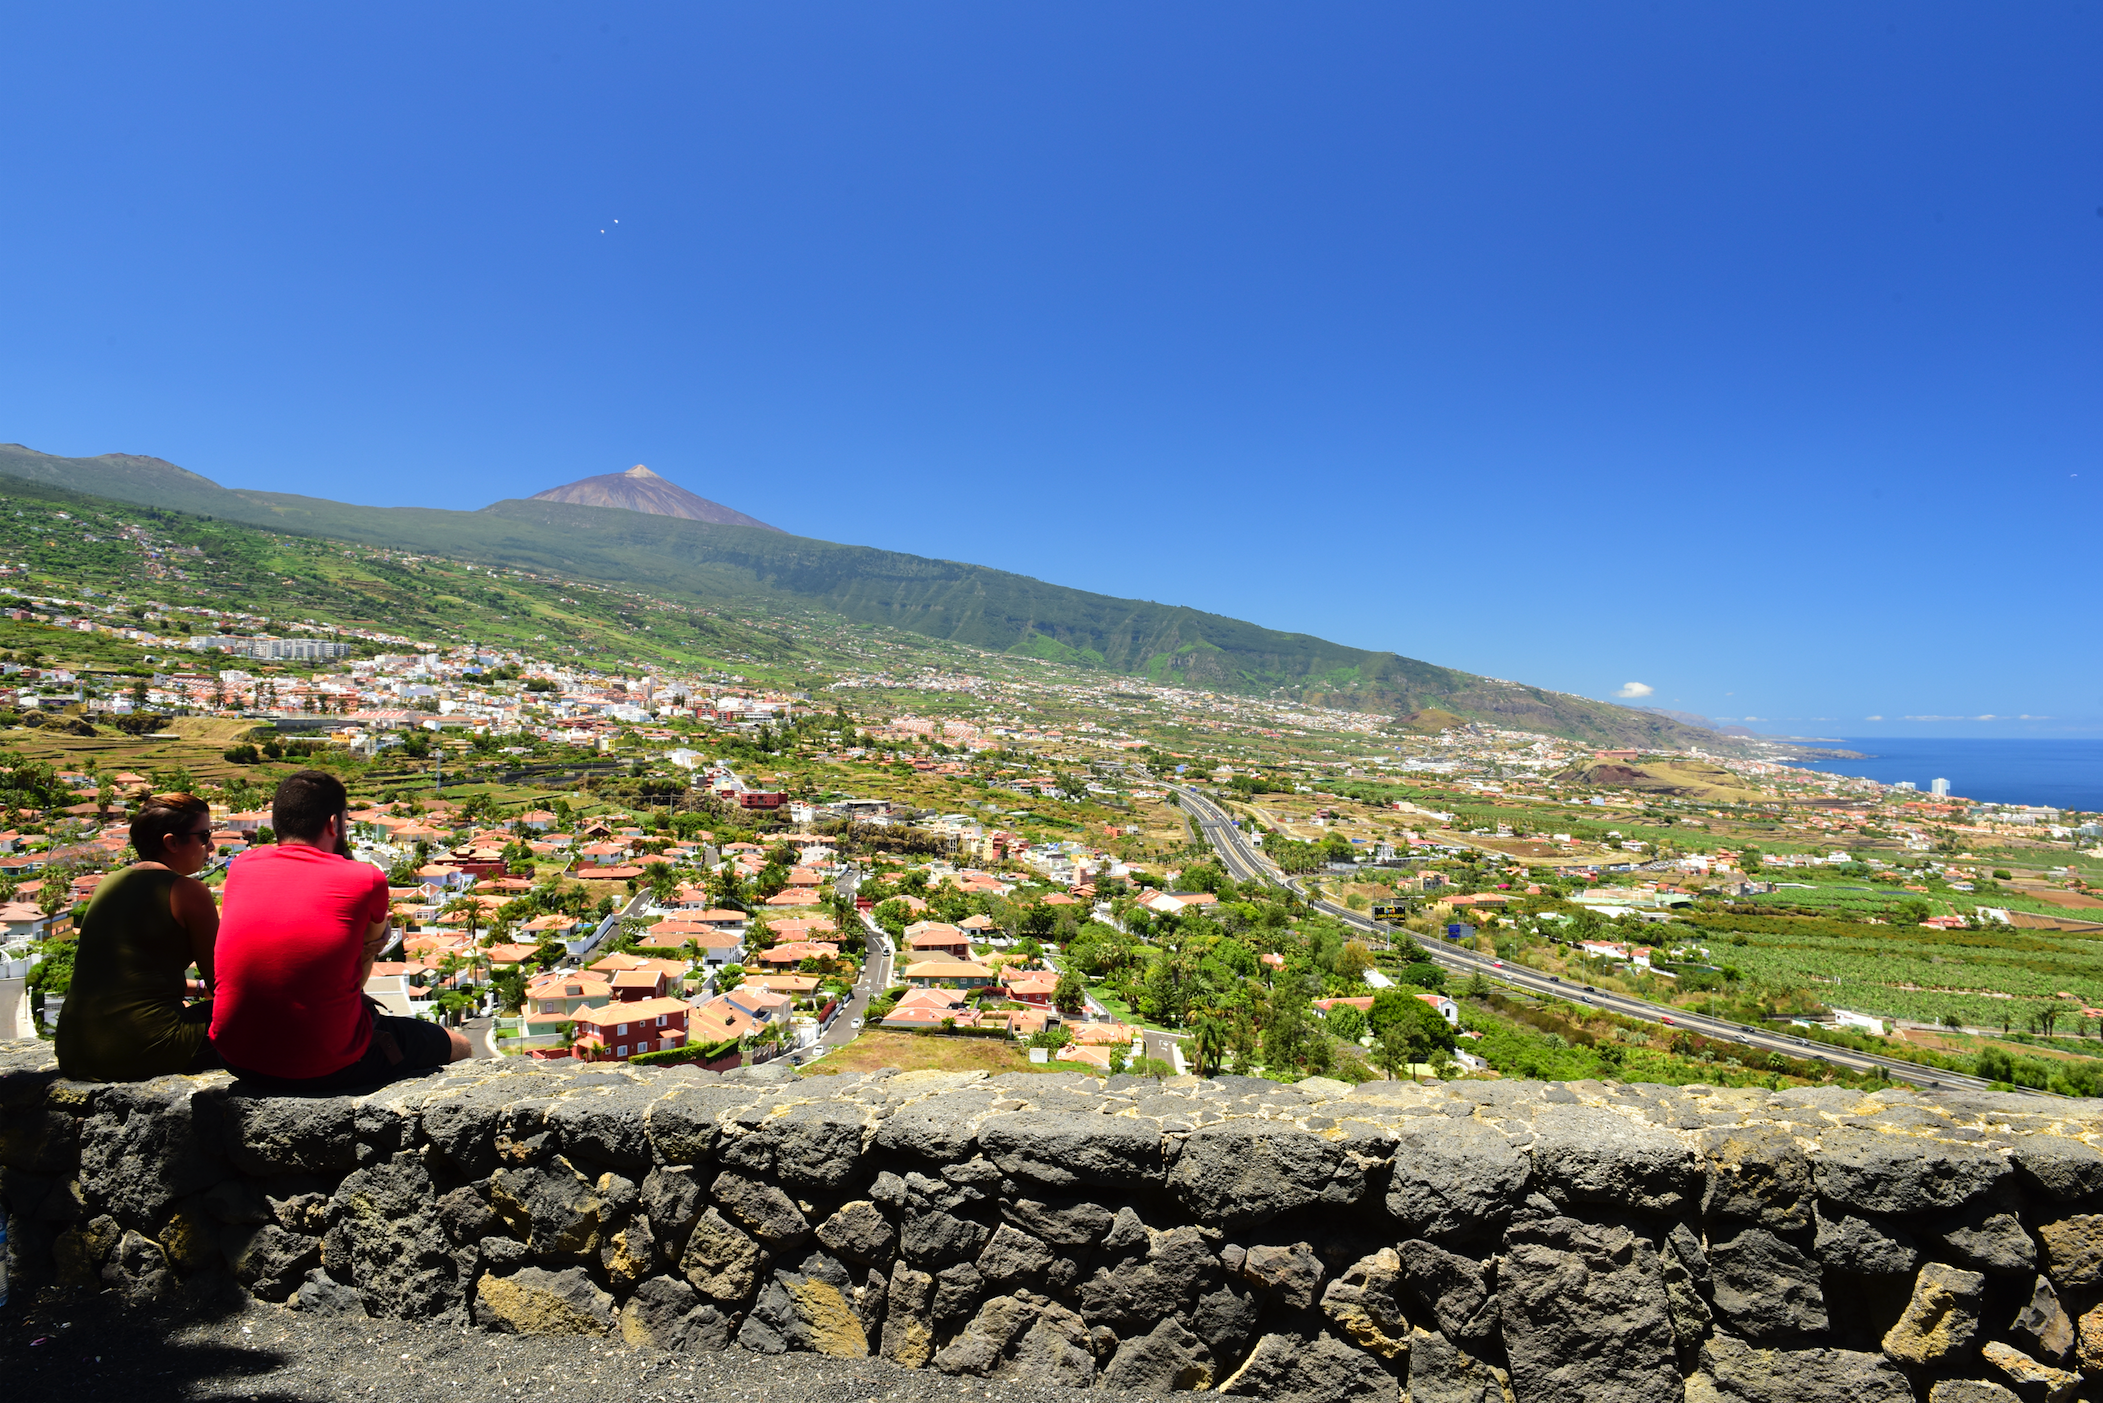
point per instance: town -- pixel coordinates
(897, 853)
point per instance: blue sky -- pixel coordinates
(1745, 352)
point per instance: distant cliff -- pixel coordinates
(640, 490)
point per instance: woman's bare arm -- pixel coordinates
(190, 902)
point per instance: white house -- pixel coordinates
(1444, 1007)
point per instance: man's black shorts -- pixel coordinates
(401, 1047)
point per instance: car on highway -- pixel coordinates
(1666, 1020)
(1496, 964)
(1590, 990)
(1553, 980)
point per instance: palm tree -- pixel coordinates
(453, 1003)
(1211, 1031)
(726, 885)
(469, 910)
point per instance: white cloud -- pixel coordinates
(1635, 689)
(1872, 718)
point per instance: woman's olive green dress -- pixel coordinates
(124, 1018)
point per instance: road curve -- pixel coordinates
(1243, 863)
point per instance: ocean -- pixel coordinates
(2067, 774)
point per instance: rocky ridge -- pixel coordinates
(1494, 1242)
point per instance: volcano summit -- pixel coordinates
(640, 490)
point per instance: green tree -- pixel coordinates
(1286, 1034)
(1421, 1027)
(509, 986)
(1425, 975)
(1346, 1021)
(55, 893)
(1392, 1051)
(1070, 996)
(469, 912)
(1353, 961)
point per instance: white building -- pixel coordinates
(1940, 789)
(1443, 1007)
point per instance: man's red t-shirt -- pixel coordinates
(291, 936)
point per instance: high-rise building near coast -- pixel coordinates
(1940, 789)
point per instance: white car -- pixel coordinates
(855, 1024)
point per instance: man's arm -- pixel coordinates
(375, 942)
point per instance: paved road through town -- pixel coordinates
(876, 976)
(1244, 863)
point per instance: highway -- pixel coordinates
(1243, 863)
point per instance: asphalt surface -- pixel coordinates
(876, 977)
(218, 1348)
(1243, 863)
(1163, 1046)
(15, 1018)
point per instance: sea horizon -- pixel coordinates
(2060, 773)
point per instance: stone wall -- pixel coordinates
(1465, 1243)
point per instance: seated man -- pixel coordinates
(301, 925)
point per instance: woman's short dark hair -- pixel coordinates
(161, 815)
(306, 801)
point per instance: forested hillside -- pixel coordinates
(693, 561)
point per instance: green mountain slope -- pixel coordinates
(971, 604)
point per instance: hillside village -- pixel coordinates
(692, 862)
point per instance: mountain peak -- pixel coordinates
(640, 490)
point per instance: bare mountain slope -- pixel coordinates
(640, 490)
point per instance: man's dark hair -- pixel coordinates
(306, 801)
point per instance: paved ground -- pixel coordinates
(876, 977)
(15, 1019)
(225, 1350)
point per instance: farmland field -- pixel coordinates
(1984, 976)
(916, 1052)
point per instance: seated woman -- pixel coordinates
(125, 1018)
